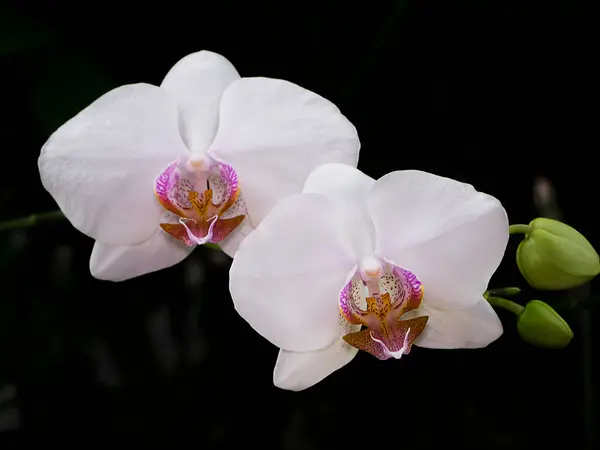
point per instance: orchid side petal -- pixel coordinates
(449, 235)
(274, 133)
(100, 165)
(287, 274)
(473, 327)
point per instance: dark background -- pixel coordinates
(494, 93)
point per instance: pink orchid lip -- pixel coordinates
(386, 351)
(386, 335)
(203, 200)
(192, 237)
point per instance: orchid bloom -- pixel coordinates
(407, 256)
(150, 171)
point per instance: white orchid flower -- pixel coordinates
(149, 171)
(408, 256)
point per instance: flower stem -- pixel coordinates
(31, 221)
(513, 307)
(519, 229)
(37, 219)
(503, 292)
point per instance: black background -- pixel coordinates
(493, 93)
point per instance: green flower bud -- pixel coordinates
(555, 256)
(540, 325)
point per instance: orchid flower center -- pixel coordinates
(202, 199)
(389, 291)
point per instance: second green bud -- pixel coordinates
(540, 325)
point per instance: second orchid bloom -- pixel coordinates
(407, 256)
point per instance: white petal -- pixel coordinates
(449, 235)
(296, 371)
(286, 277)
(100, 165)
(347, 188)
(118, 263)
(197, 82)
(473, 327)
(274, 133)
(336, 181)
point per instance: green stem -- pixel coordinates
(503, 292)
(519, 229)
(506, 304)
(31, 221)
(37, 219)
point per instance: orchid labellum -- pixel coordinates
(151, 171)
(357, 264)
